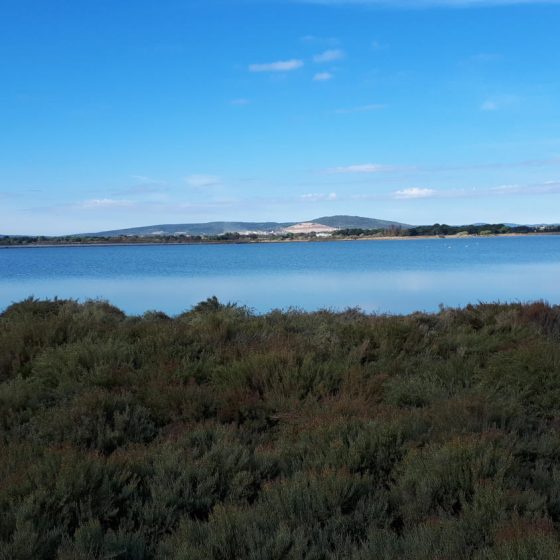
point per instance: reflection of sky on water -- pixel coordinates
(375, 291)
(270, 259)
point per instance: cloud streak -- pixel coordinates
(105, 203)
(322, 77)
(200, 181)
(548, 187)
(314, 39)
(540, 189)
(415, 193)
(368, 168)
(318, 197)
(330, 55)
(279, 66)
(361, 168)
(499, 102)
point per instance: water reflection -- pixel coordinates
(384, 291)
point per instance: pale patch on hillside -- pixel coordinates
(309, 227)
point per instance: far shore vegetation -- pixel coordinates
(220, 434)
(436, 230)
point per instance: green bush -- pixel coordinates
(220, 434)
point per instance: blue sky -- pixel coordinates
(118, 114)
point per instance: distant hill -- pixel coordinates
(346, 222)
(210, 228)
(218, 228)
(487, 224)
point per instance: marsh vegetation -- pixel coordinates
(220, 434)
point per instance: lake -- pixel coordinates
(386, 276)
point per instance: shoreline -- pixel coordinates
(265, 241)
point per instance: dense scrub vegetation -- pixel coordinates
(444, 230)
(223, 435)
(22, 240)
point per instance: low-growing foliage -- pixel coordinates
(221, 434)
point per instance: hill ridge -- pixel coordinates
(221, 227)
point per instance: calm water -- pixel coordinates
(380, 276)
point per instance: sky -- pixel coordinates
(118, 114)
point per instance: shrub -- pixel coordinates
(222, 434)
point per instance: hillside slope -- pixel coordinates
(219, 228)
(346, 222)
(210, 228)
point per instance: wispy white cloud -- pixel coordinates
(330, 55)
(240, 102)
(361, 168)
(420, 169)
(315, 40)
(361, 109)
(489, 105)
(547, 187)
(378, 46)
(505, 188)
(200, 181)
(104, 203)
(415, 192)
(279, 66)
(323, 77)
(499, 102)
(535, 189)
(318, 197)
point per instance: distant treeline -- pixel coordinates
(444, 229)
(231, 237)
(234, 237)
(224, 435)
(132, 239)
